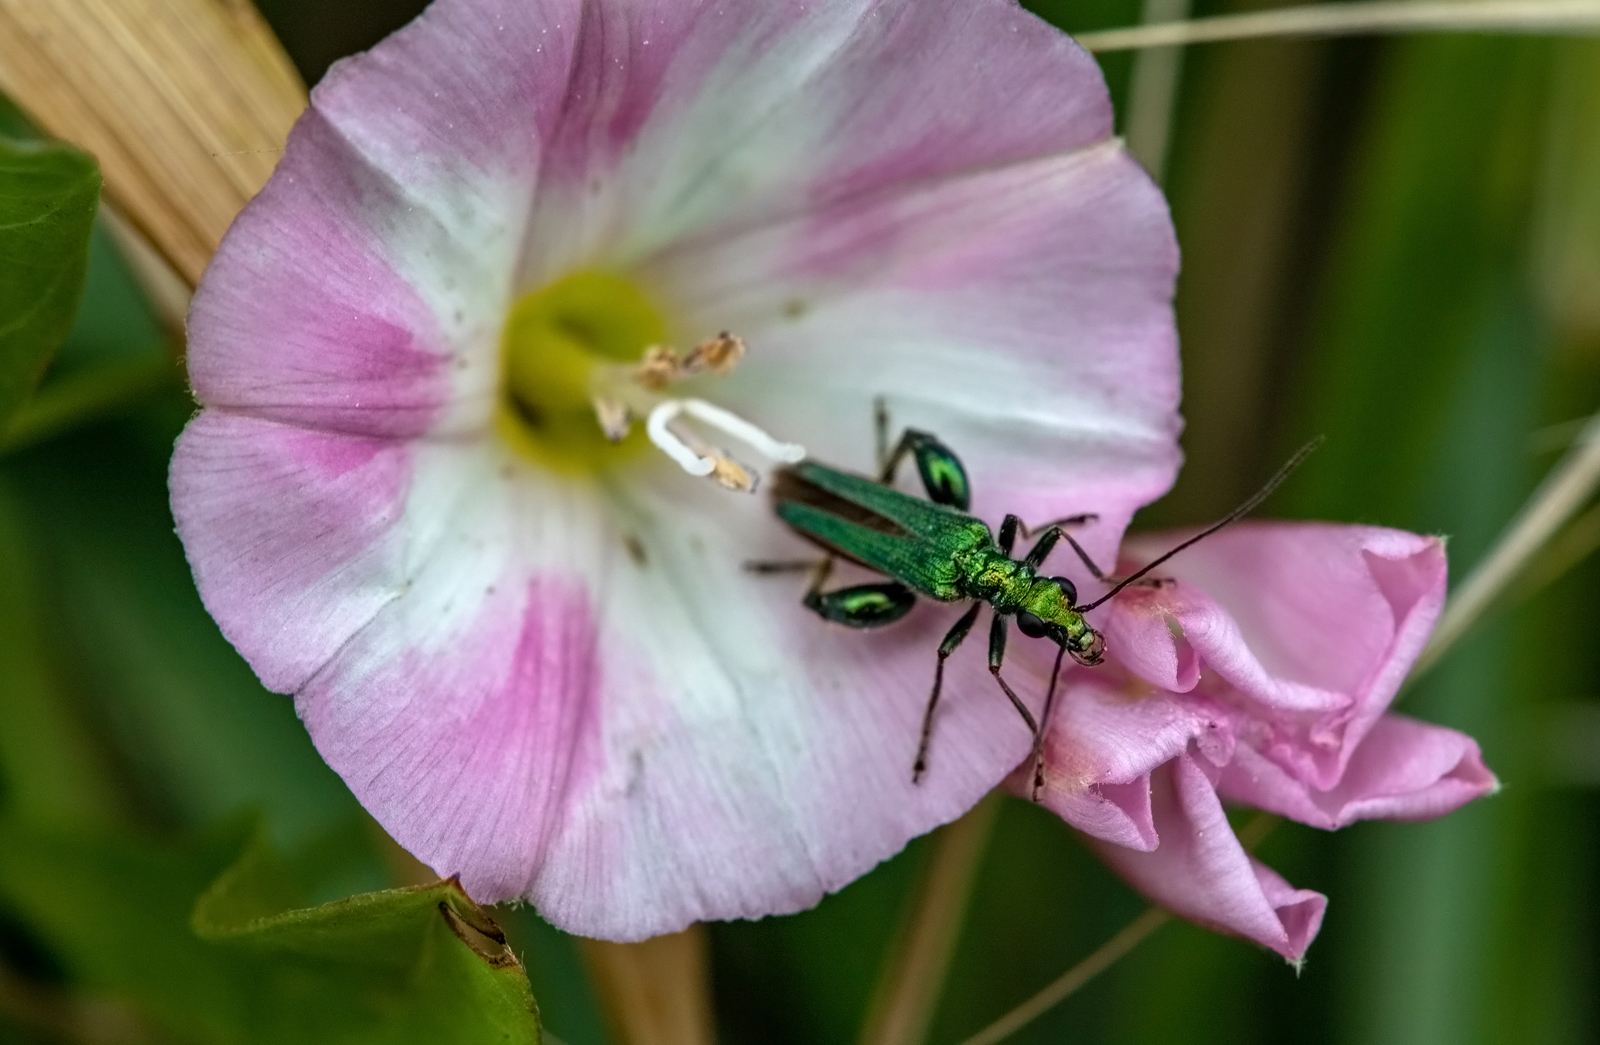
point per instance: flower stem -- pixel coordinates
(1131, 935)
(913, 977)
(657, 991)
(1382, 16)
(1153, 91)
(1570, 483)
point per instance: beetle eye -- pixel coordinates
(1030, 625)
(1068, 589)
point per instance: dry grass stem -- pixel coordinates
(167, 292)
(1570, 483)
(185, 103)
(655, 992)
(1250, 835)
(1131, 935)
(904, 1002)
(1342, 19)
(1153, 92)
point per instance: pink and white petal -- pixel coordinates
(691, 118)
(1024, 306)
(460, 714)
(1103, 744)
(574, 692)
(1403, 770)
(363, 290)
(1290, 610)
(291, 534)
(1200, 872)
(753, 757)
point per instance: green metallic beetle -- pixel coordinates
(935, 548)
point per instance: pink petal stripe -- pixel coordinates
(288, 533)
(466, 750)
(686, 118)
(303, 317)
(1200, 872)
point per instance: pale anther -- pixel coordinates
(732, 475)
(718, 354)
(662, 365)
(615, 417)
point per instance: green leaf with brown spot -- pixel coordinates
(210, 941)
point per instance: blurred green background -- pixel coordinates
(1395, 242)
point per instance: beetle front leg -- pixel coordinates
(1008, 532)
(953, 638)
(997, 654)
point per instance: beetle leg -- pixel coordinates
(1045, 545)
(952, 639)
(997, 654)
(942, 474)
(1008, 532)
(1066, 522)
(1099, 574)
(779, 565)
(1044, 724)
(880, 431)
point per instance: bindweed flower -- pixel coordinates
(1259, 671)
(536, 289)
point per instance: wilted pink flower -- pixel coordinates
(1260, 673)
(533, 654)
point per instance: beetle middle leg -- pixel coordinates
(860, 605)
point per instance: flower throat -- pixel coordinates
(584, 357)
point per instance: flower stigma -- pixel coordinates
(584, 357)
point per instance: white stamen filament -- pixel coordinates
(669, 443)
(744, 431)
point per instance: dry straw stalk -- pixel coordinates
(185, 103)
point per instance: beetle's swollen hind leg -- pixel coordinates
(952, 639)
(997, 654)
(942, 474)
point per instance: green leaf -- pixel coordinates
(206, 942)
(48, 197)
(423, 964)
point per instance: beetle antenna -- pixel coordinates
(1232, 517)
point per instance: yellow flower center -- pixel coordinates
(555, 340)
